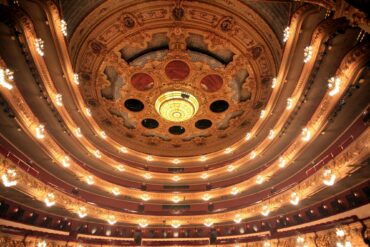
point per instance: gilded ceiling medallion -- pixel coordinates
(177, 80)
(176, 106)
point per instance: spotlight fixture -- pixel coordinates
(149, 158)
(88, 112)
(206, 197)
(6, 77)
(78, 132)
(271, 134)
(334, 85)
(266, 244)
(204, 175)
(115, 191)
(329, 177)
(42, 244)
(66, 161)
(111, 220)
(40, 131)
(260, 179)
(90, 180)
(147, 176)
(234, 191)
(294, 198)
(97, 154)
(39, 46)
(49, 200)
(143, 223)
(306, 134)
(265, 210)
(248, 136)
(238, 218)
(76, 79)
(176, 178)
(253, 155)
(208, 222)
(9, 178)
(282, 162)
(176, 199)
(175, 224)
(59, 99)
(123, 150)
(273, 82)
(103, 135)
(340, 232)
(230, 168)
(263, 113)
(289, 103)
(176, 161)
(82, 212)
(203, 158)
(145, 197)
(121, 168)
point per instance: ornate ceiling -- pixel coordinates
(182, 122)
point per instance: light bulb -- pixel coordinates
(59, 99)
(282, 162)
(40, 131)
(90, 180)
(230, 168)
(97, 154)
(6, 77)
(274, 83)
(66, 161)
(334, 84)
(206, 197)
(253, 155)
(115, 191)
(294, 198)
(82, 212)
(238, 218)
(265, 210)
(306, 134)
(49, 200)
(204, 175)
(112, 220)
(145, 197)
(9, 178)
(208, 222)
(234, 191)
(147, 176)
(260, 179)
(76, 79)
(78, 132)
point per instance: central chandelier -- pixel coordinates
(176, 106)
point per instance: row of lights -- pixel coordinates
(9, 179)
(307, 54)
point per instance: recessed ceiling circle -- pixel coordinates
(176, 106)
